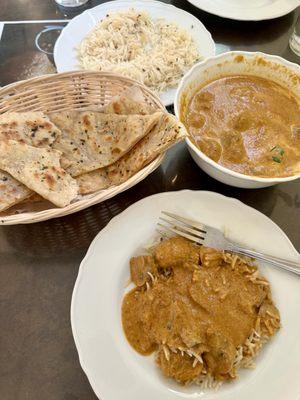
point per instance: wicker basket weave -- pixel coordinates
(81, 91)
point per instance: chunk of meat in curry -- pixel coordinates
(195, 308)
(141, 269)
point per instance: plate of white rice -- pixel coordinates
(150, 41)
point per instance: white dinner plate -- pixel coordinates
(65, 55)
(245, 10)
(114, 369)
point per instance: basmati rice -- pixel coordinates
(132, 44)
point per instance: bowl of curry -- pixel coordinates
(242, 112)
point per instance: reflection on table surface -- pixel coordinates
(39, 263)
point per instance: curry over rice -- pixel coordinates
(203, 312)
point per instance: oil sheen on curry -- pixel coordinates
(203, 312)
(247, 124)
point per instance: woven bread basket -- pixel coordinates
(81, 91)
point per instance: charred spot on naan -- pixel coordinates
(33, 128)
(86, 121)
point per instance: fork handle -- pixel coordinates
(275, 261)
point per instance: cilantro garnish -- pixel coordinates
(279, 152)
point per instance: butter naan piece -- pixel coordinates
(130, 101)
(92, 140)
(33, 128)
(39, 169)
(165, 134)
(11, 191)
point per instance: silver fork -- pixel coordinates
(212, 237)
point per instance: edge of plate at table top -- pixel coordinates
(65, 53)
(259, 12)
(113, 368)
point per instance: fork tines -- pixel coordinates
(178, 225)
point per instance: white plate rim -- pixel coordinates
(114, 221)
(242, 17)
(170, 93)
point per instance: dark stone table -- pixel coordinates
(39, 263)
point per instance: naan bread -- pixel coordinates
(39, 169)
(165, 134)
(11, 191)
(33, 128)
(91, 140)
(130, 101)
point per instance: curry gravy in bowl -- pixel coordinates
(247, 124)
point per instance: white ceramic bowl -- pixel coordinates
(267, 66)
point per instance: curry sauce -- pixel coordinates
(248, 124)
(196, 308)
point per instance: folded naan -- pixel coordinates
(165, 134)
(130, 101)
(91, 140)
(11, 191)
(33, 128)
(39, 169)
